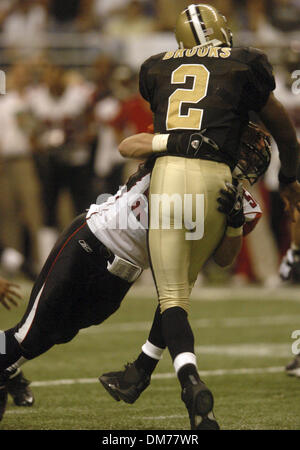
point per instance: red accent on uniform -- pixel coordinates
(249, 226)
(243, 263)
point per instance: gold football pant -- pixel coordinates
(176, 255)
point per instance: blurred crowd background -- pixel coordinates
(72, 95)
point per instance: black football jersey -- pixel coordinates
(211, 89)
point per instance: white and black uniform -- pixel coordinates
(75, 289)
(121, 222)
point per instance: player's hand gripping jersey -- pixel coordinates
(210, 89)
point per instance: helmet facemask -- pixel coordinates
(255, 154)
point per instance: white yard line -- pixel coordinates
(226, 293)
(258, 350)
(223, 322)
(246, 293)
(163, 376)
(174, 416)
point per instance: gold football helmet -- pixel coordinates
(202, 25)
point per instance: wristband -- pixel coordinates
(159, 142)
(234, 232)
(283, 179)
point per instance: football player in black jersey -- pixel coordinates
(216, 149)
(207, 87)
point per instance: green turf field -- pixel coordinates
(243, 341)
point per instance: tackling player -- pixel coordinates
(95, 262)
(207, 87)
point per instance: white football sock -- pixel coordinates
(184, 358)
(152, 351)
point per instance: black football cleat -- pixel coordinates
(293, 368)
(126, 385)
(3, 400)
(18, 388)
(199, 402)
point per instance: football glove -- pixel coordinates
(187, 144)
(254, 150)
(231, 204)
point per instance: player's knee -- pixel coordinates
(166, 303)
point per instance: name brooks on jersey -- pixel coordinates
(210, 52)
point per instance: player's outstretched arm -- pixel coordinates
(138, 146)
(295, 231)
(143, 145)
(278, 122)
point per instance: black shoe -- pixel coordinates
(199, 402)
(126, 385)
(3, 400)
(293, 368)
(18, 388)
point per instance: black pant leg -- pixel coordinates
(73, 291)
